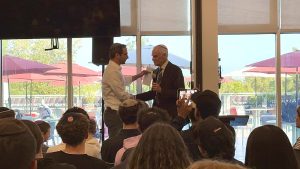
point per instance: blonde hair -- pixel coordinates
(213, 164)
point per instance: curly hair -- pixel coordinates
(77, 110)
(73, 128)
(160, 146)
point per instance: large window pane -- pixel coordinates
(29, 87)
(179, 48)
(290, 83)
(247, 90)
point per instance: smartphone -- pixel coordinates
(185, 93)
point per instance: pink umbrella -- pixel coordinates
(78, 70)
(30, 77)
(290, 63)
(288, 60)
(16, 65)
(80, 74)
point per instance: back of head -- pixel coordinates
(36, 132)
(160, 146)
(128, 110)
(73, 128)
(44, 126)
(215, 138)
(77, 110)
(92, 126)
(213, 164)
(149, 116)
(268, 147)
(207, 102)
(17, 145)
(116, 48)
(6, 113)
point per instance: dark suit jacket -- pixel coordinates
(171, 81)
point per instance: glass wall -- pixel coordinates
(247, 88)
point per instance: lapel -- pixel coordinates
(165, 74)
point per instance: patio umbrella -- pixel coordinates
(32, 77)
(290, 63)
(16, 65)
(79, 74)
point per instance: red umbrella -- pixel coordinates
(62, 69)
(288, 60)
(290, 63)
(80, 74)
(30, 77)
(16, 65)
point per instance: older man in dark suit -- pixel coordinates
(167, 79)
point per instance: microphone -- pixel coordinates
(154, 77)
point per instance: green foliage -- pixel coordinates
(34, 49)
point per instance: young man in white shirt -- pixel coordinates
(113, 87)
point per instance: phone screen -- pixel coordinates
(185, 93)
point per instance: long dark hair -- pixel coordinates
(268, 147)
(161, 146)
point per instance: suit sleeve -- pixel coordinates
(178, 82)
(146, 96)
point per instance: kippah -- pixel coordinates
(10, 127)
(129, 103)
(5, 113)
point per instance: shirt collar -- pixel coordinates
(114, 65)
(163, 67)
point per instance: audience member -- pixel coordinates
(73, 130)
(17, 145)
(92, 140)
(161, 146)
(205, 104)
(36, 132)
(128, 114)
(268, 147)
(43, 163)
(6, 113)
(215, 140)
(297, 144)
(146, 117)
(89, 149)
(213, 164)
(45, 129)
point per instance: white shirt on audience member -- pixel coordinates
(113, 86)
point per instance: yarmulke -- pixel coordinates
(6, 113)
(11, 127)
(129, 103)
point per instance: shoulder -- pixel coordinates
(173, 66)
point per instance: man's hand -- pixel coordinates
(183, 107)
(156, 87)
(144, 72)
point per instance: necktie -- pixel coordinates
(158, 80)
(159, 76)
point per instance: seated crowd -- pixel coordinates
(149, 139)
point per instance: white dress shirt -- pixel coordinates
(113, 86)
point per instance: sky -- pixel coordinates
(235, 51)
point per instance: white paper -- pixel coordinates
(148, 77)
